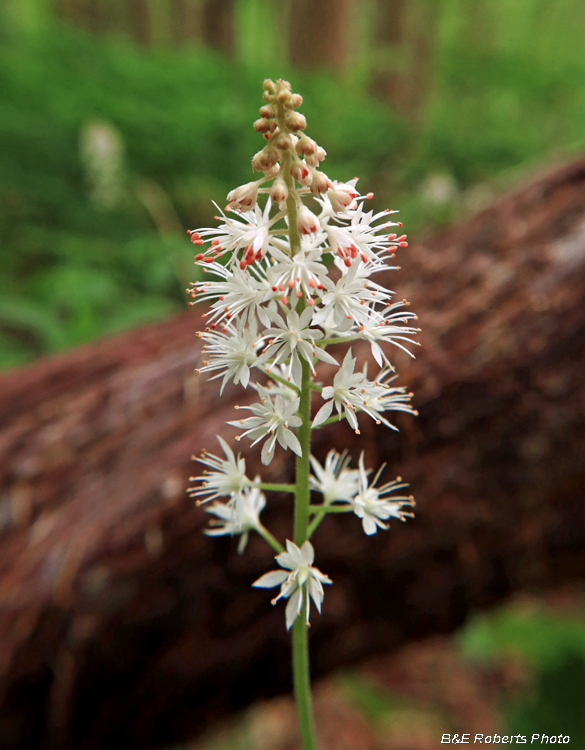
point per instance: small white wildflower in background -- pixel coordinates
(302, 582)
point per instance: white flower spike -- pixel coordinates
(288, 273)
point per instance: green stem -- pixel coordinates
(321, 512)
(340, 340)
(276, 487)
(334, 418)
(302, 682)
(303, 492)
(268, 537)
(300, 637)
(330, 508)
(315, 522)
(292, 386)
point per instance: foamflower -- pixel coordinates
(300, 584)
(227, 477)
(238, 517)
(272, 420)
(373, 508)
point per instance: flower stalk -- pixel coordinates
(276, 305)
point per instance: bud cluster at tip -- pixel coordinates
(288, 153)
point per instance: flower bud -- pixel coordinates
(269, 86)
(278, 191)
(265, 159)
(285, 98)
(307, 222)
(296, 121)
(320, 183)
(312, 161)
(296, 100)
(301, 173)
(306, 145)
(342, 196)
(244, 196)
(283, 142)
(320, 153)
(268, 110)
(264, 126)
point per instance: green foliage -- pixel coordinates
(71, 269)
(554, 646)
(508, 89)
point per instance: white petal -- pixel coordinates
(308, 553)
(324, 356)
(296, 370)
(369, 525)
(268, 450)
(316, 593)
(323, 414)
(291, 441)
(293, 608)
(268, 580)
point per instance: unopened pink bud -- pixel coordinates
(268, 111)
(265, 159)
(296, 100)
(307, 222)
(320, 153)
(244, 196)
(342, 196)
(264, 126)
(283, 142)
(321, 183)
(301, 173)
(306, 145)
(278, 191)
(296, 121)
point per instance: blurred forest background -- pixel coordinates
(120, 121)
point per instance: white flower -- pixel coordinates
(385, 329)
(248, 231)
(238, 517)
(378, 396)
(272, 419)
(370, 505)
(291, 339)
(365, 235)
(232, 350)
(341, 393)
(334, 480)
(227, 478)
(240, 293)
(301, 274)
(351, 298)
(303, 583)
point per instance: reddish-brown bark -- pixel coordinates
(121, 625)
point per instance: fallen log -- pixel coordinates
(122, 626)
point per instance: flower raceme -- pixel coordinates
(287, 276)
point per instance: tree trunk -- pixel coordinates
(122, 626)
